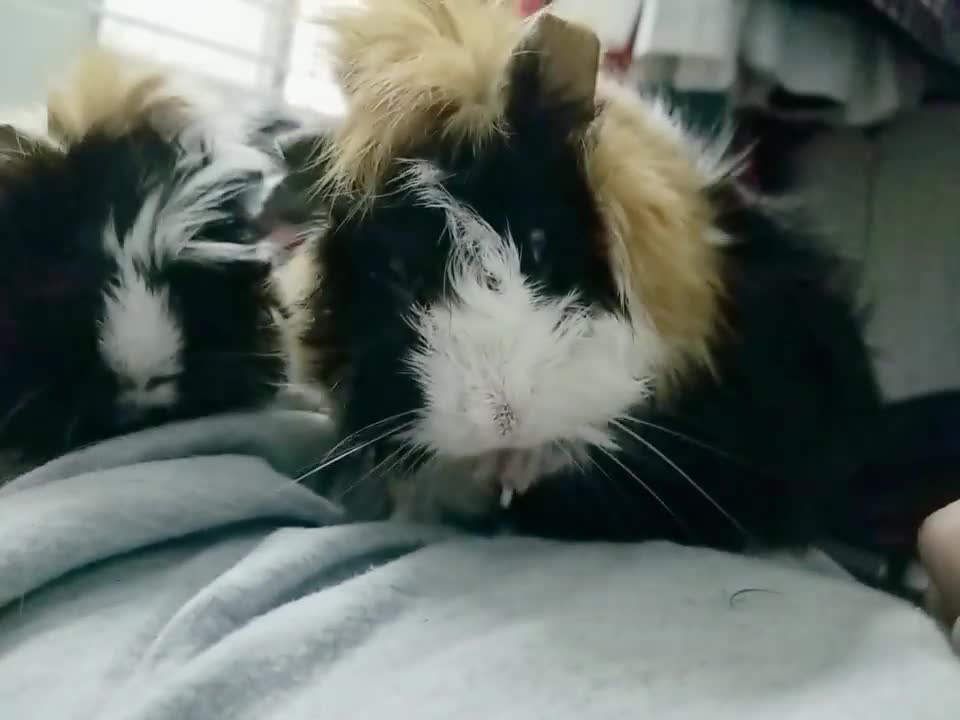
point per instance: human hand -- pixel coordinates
(939, 545)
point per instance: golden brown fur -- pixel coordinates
(101, 92)
(295, 282)
(650, 190)
(415, 70)
(109, 93)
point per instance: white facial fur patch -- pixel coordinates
(504, 367)
(140, 338)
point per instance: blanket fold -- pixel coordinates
(180, 574)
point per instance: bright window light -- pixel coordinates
(272, 47)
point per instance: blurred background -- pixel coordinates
(239, 46)
(851, 103)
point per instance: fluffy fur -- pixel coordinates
(526, 291)
(499, 359)
(421, 73)
(411, 70)
(135, 285)
(648, 179)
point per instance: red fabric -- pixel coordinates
(616, 61)
(528, 7)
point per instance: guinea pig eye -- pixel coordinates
(538, 243)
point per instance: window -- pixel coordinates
(309, 81)
(272, 47)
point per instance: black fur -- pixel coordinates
(772, 437)
(55, 391)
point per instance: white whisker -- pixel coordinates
(644, 485)
(682, 436)
(570, 455)
(626, 497)
(672, 464)
(71, 431)
(25, 399)
(352, 451)
(362, 430)
(371, 473)
(412, 449)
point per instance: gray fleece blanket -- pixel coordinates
(180, 575)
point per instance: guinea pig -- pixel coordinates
(541, 302)
(136, 282)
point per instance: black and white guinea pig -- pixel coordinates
(134, 287)
(540, 301)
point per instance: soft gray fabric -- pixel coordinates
(136, 585)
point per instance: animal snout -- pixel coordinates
(504, 418)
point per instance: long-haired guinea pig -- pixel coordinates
(540, 301)
(134, 284)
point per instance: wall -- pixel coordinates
(893, 200)
(35, 42)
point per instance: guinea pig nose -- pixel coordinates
(504, 418)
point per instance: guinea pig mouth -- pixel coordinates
(516, 471)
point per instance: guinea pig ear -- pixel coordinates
(552, 77)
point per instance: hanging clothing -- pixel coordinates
(798, 60)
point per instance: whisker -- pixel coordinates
(616, 508)
(342, 456)
(572, 457)
(21, 404)
(366, 428)
(644, 485)
(650, 446)
(395, 459)
(400, 461)
(71, 431)
(352, 451)
(369, 474)
(687, 438)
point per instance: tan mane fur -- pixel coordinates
(105, 92)
(411, 71)
(649, 185)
